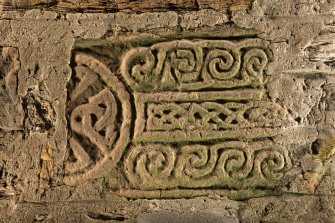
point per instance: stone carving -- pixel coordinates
(99, 116)
(231, 164)
(186, 65)
(197, 116)
(180, 114)
(212, 115)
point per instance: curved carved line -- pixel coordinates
(232, 164)
(114, 156)
(195, 65)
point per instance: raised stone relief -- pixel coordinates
(178, 115)
(232, 164)
(204, 116)
(185, 65)
(99, 117)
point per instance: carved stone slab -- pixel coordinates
(174, 116)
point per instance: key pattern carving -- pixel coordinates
(177, 115)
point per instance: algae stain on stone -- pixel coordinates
(326, 149)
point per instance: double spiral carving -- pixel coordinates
(184, 64)
(150, 165)
(270, 163)
(255, 61)
(139, 64)
(222, 64)
(238, 164)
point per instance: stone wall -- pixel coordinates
(167, 111)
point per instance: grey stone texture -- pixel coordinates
(36, 65)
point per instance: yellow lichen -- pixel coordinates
(326, 149)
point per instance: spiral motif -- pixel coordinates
(222, 64)
(227, 160)
(186, 63)
(150, 166)
(270, 164)
(196, 161)
(138, 65)
(235, 163)
(191, 65)
(255, 61)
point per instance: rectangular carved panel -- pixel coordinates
(204, 116)
(174, 116)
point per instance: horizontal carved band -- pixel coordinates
(188, 65)
(234, 164)
(204, 116)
